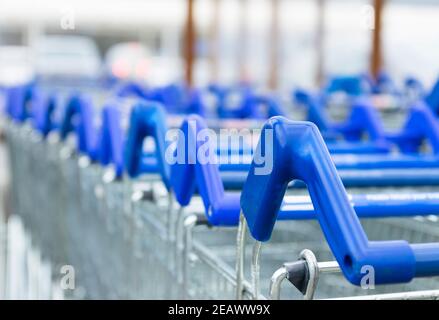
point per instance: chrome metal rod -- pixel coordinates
(170, 217)
(240, 256)
(410, 295)
(179, 243)
(189, 223)
(256, 268)
(329, 267)
(276, 282)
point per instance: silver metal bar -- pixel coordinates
(329, 267)
(189, 223)
(412, 295)
(240, 256)
(255, 267)
(276, 283)
(179, 243)
(170, 217)
(314, 269)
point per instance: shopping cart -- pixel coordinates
(222, 210)
(392, 261)
(47, 164)
(124, 233)
(147, 209)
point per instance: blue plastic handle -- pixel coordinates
(79, 117)
(314, 105)
(368, 206)
(196, 104)
(147, 119)
(414, 84)
(432, 99)
(356, 178)
(358, 170)
(248, 105)
(421, 125)
(222, 208)
(384, 84)
(18, 100)
(299, 153)
(42, 111)
(243, 110)
(273, 107)
(363, 119)
(132, 88)
(178, 99)
(354, 85)
(170, 96)
(111, 139)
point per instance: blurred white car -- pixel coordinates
(133, 61)
(15, 65)
(128, 60)
(67, 57)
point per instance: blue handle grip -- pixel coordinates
(384, 84)
(42, 111)
(190, 175)
(354, 85)
(244, 107)
(363, 119)
(147, 120)
(222, 208)
(414, 84)
(273, 107)
(179, 99)
(300, 154)
(132, 89)
(432, 99)
(79, 117)
(18, 100)
(421, 125)
(111, 139)
(368, 206)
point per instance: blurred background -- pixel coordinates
(278, 44)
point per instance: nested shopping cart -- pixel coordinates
(126, 233)
(305, 157)
(214, 283)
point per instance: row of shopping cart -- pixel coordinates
(146, 203)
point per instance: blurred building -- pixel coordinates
(408, 29)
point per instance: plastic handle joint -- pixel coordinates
(147, 119)
(299, 153)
